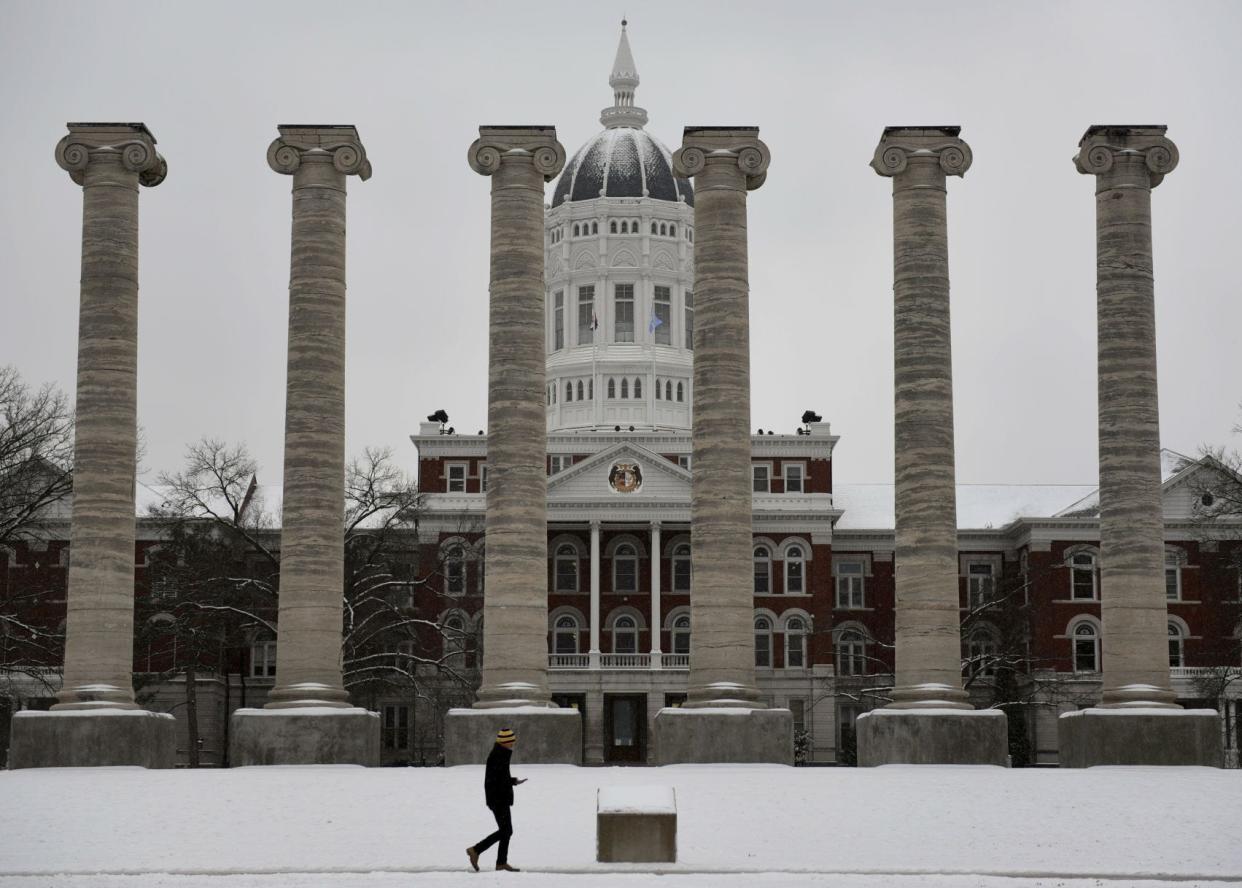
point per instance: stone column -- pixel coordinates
(595, 615)
(1128, 162)
(928, 620)
(514, 692)
(109, 161)
(312, 571)
(655, 593)
(726, 163)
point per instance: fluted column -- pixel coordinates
(519, 161)
(726, 163)
(1128, 162)
(109, 161)
(928, 627)
(312, 557)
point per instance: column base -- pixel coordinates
(312, 735)
(933, 737)
(93, 738)
(545, 735)
(719, 735)
(1140, 737)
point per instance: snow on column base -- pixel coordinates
(311, 735)
(726, 735)
(933, 737)
(89, 738)
(1136, 736)
(545, 735)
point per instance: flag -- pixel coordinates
(653, 323)
(594, 321)
(250, 491)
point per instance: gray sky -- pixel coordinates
(820, 79)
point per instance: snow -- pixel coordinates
(979, 506)
(759, 826)
(516, 710)
(636, 800)
(969, 713)
(351, 711)
(109, 711)
(1140, 710)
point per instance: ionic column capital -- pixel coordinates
(901, 144)
(1102, 146)
(536, 145)
(130, 144)
(721, 147)
(341, 144)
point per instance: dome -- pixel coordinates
(621, 162)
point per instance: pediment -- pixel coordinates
(610, 476)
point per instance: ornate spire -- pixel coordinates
(623, 80)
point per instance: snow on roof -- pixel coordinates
(1172, 464)
(979, 506)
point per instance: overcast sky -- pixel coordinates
(820, 79)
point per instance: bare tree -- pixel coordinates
(36, 454)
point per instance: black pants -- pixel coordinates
(504, 829)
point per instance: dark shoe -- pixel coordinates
(474, 857)
(508, 869)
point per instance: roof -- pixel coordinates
(621, 161)
(1172, 465)
(979, 506)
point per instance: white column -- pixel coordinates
(655, 595)
(594, 654)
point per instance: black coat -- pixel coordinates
(497, 782)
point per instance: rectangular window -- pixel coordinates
(396, 727)
(566, 574)
(980, 584)
(263, 659)
(763, 649)
(664, 314)
(681, 573)
(1084, 655)
(798, 708)
(559, 462)
(558, 321)
(1172, 583)
(457, 478)
(793, 477)
(762, 576)
(684, 461)
(850, 579)
(623, 299)
(761, 478)
(586, 315)
(689, 321)
(626, 575)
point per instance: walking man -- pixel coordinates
(498, 786)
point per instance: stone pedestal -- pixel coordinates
(545, 735)
(636, 824)
(80, 738)
(304, 736)
(1140, 737)
(933, 737)
(706, 736)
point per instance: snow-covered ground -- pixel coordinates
(763, 826)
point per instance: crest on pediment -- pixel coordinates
(625, 476)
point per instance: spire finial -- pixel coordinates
(624, 81)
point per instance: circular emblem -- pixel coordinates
(625, 477)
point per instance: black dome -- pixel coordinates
(621, 162)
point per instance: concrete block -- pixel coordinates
(712, 735)
(314, 735)
(1140, 737)
(933, 737)
(87, 738)
(636, 824)
(545, 736)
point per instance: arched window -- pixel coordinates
(1083, 577)
(1177, 646)
(625, 569)
(624, 635)
(851, 653)
(566, 568)
(681, 635)
(679, 392)
(594, 228)
(575, 229)
(612, 387)
(625, 387)
(579, 389)
(454, 643)
(658, 390)
(668, 390)
(681, 568)
(653, 228)
(565, 635)
(795, 643)
(763, 642)
(638, 388)
(763, 570)
(455, 571)
(613, 226)
(591, 389)
(794, 569)
(663, 229)
(672, 231)
(1086, 648)
(625, 227)
(569, 391)
(979, 652)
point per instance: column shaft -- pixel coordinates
(655, 594)
(595, 615)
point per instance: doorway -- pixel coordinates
(578, 702)
(625, 728)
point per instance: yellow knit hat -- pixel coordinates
(505, 737)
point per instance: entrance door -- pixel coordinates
(625, 728)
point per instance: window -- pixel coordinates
(558, 321)
(457, 478)
(653, 228)
(625, 569)
(663, 315)
(681, 568)
(793, 477)
(761, 478)
(638, 388)
(798, 708)
(1086, 648)
(559, 462)
(847, 724)
(794, 569)
(625, 227)
(668, 391)
(403, 654)
(763, 570)
(624, 635)
(681, 635)
(659, 390)
(569, 391)
(1172, 577)
(851, 653)
(689, 321)
(396, 727)
(263, 659)
(1083, 576)
(455, 571)
(980, 653)
(565, 635)
(566, 568)
(586, 315)
(672, 231)
(1177, 647)
(594, 228)
(980, 584)
(763, 643)
(612, 387)
(850, 583)
(591, 389)
(684, 461)
(454, 641)
(575, 229)
(612, 226)
(623, 299)
(679, 392)
(625, 388)
(579, 389)
(795, 643)
(483, 479)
